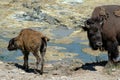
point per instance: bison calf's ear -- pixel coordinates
(12, 45)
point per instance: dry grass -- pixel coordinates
(92, 52)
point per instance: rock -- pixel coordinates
(26, 5)
(13, 71)
(64, 78)
(118, 79)
(56, 72)
(1, 62)
(22, 72)
(48, 65)
(37, 15)
(113, 70)
(99, 68)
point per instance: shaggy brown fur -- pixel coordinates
(30, 41)
(103, 30)
(117, 13)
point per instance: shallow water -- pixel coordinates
(4, 38)
(61, 32)
(72, 1)
(75, 47)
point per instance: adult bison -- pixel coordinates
(103, 30)
(30, 41)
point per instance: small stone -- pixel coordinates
(1, 62)
(64, 77)
(22, 72)
(48, 65)
(118, 79)
(13, 71)
(57, 72)
(113, 70)
(99, 68)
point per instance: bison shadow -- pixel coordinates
(91, 66)
(30, 70)
(87, 66)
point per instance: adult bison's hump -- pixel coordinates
(107, 10)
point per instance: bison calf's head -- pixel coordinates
(93, 28)
(12, 45)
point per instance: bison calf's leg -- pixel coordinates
(42, 61)
(36, 54)
(43, 51)
(26, 54)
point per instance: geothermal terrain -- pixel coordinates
(68, 55)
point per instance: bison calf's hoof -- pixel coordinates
(41, 73)
(26, 68)
(38, 72)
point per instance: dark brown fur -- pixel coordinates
(108, 26)
(30, 41)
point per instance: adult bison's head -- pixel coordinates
(12, 45)
(93, 28)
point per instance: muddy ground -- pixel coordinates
(61, 21)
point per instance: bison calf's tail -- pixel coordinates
(45, 38)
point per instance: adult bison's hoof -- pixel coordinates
(35, 71)
(109, 64)
(117, 59)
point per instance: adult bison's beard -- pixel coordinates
(95, 47)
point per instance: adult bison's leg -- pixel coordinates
(113, 52)
(26, 54)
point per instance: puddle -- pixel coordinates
(11, 56)
(72, 1)
(61, 32)
(4, 38)
(75, 47)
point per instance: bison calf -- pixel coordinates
(30, 41)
